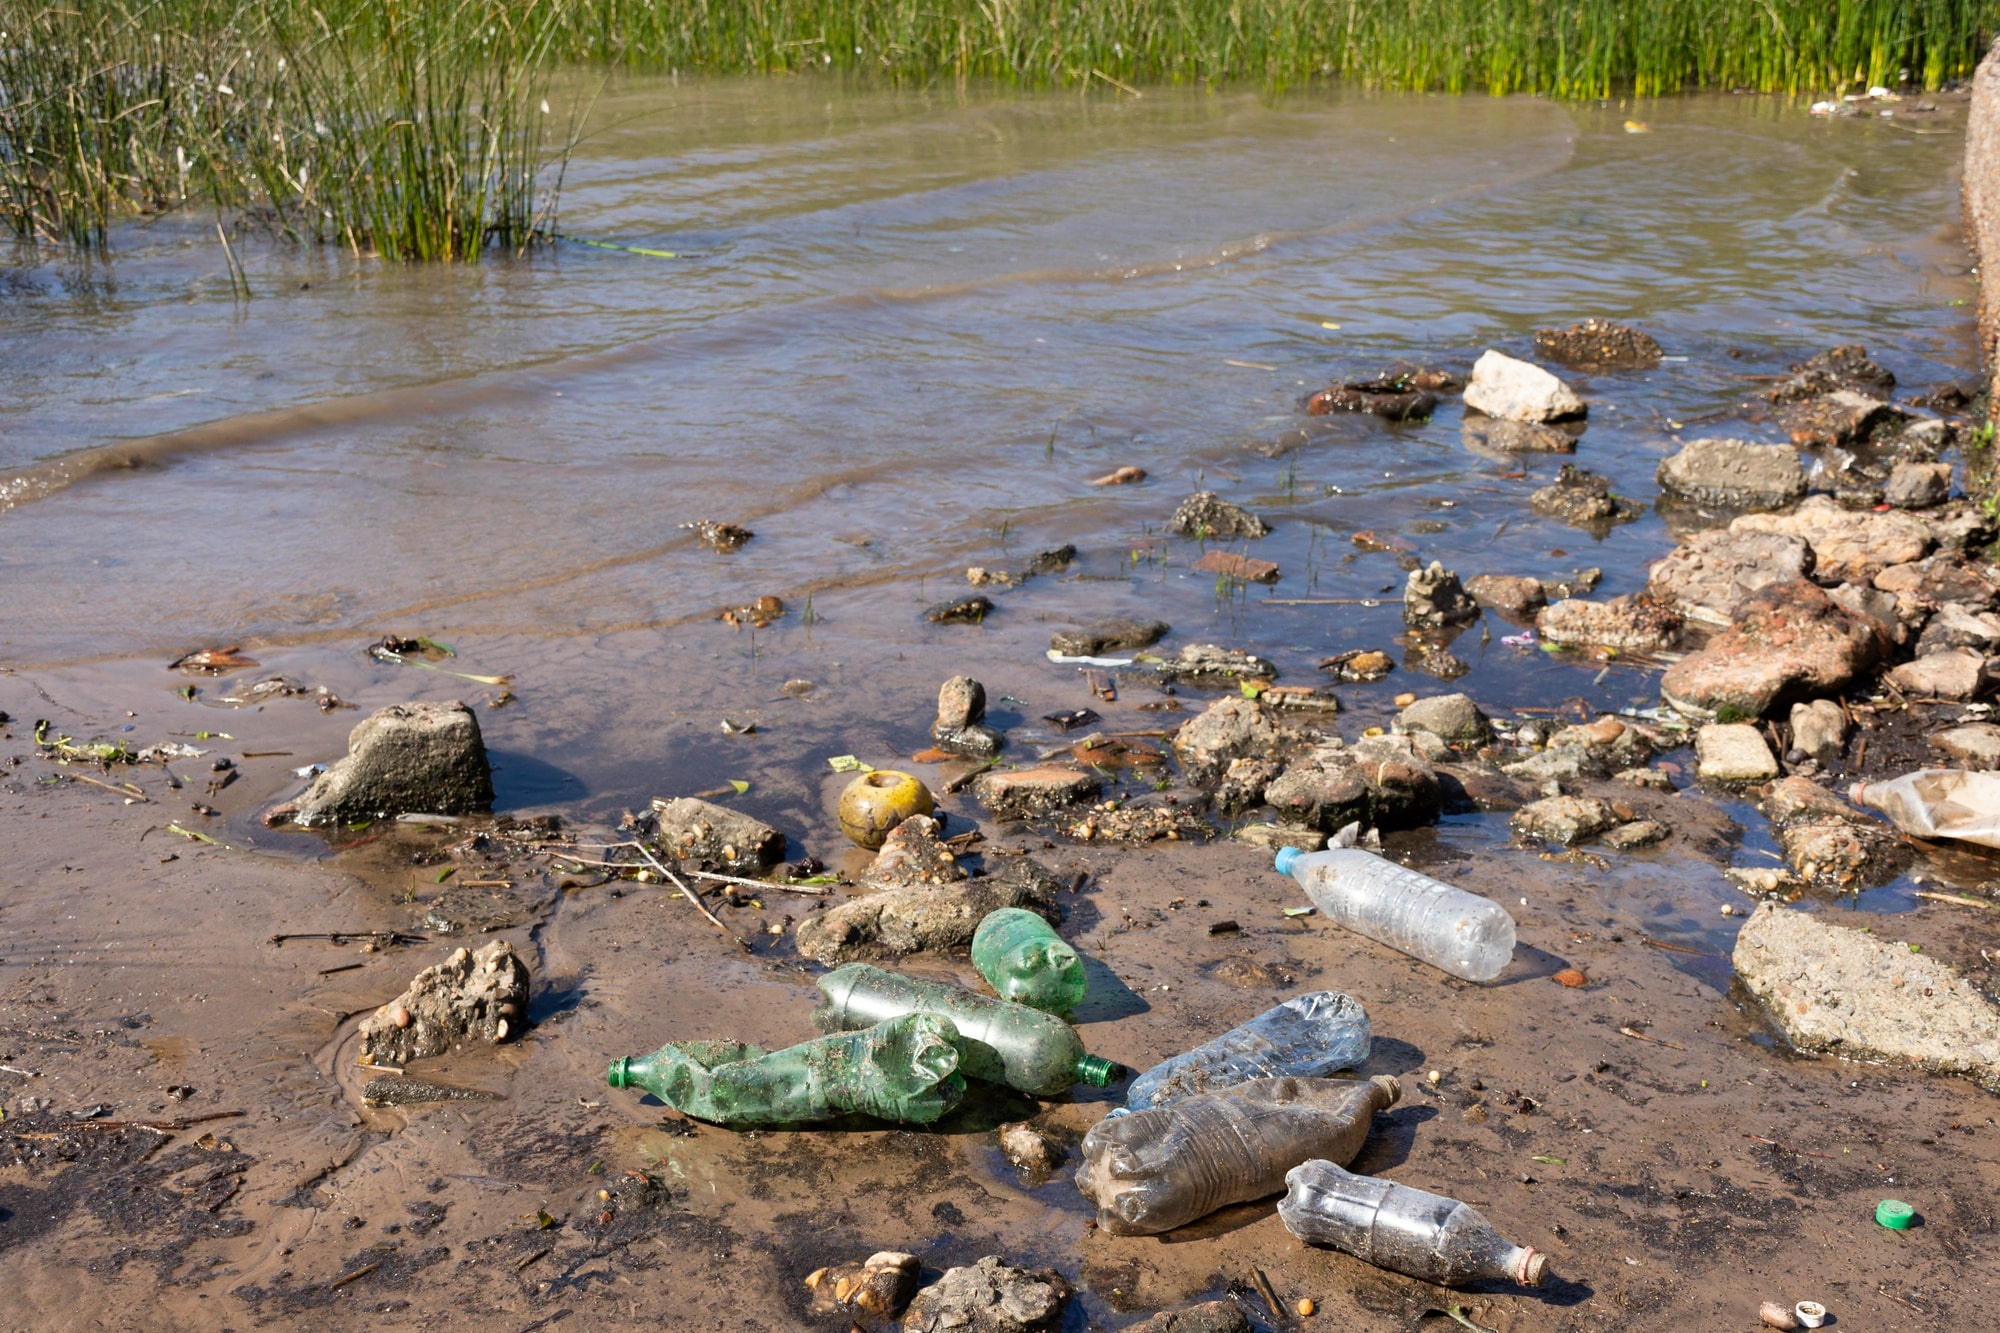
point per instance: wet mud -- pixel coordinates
(189, 1137)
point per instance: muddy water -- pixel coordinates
(905, 334)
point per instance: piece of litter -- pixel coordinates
(1521, 640)
(309, 771)
(1067, 660)
(1299, 911)
(847, 763)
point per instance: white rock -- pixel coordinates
(1734, 752)
(1519, 391)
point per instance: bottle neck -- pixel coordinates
(619, 1075)
(1097, 1071)
(1526, 1265)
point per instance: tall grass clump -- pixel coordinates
(413, 130)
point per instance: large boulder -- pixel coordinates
(1709, 575)
(1380, 780)
(1502, 386)
(404, 759)
(1862, 996)
(1791, 642)
(918, 917)
(1848, 546)
(1734, 474)
(482, 996)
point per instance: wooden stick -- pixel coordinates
(128, 791)
(355, 1276)
(816, 890)
(964, 780)
(1657, 1041)
(1786, 1147)
(1319, 601)
(1958, 898)
(691, 896)
(538, 1254)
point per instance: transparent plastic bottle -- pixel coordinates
(1024, 960)
(1408, 1231)
(1938, 803)
(999, 1041)
(1309, 1036)
(1464, 934)
(1156, 1170)
(905, 1069)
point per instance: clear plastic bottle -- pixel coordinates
(1024, 960)
(1160, 1169)
(1938, 803)
(905, 1069)
(1408, 1231)
(1462, 933)
(999, 1042)
(1308, 1036)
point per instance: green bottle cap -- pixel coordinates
(1895, 1214)
(616, 1075)
(1097, 1071)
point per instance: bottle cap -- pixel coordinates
(1287, 858)
(1534, 1267)
(1097, 1071)
(1895, 1214)
(615, 1076)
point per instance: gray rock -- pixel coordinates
(1840, 418)
(1380, 780)
(1707, 577)
(1031, 793)
(1972, 744)
(1819, 729)
(1029, 1148)
(1213, 665)
(1514, 390)
(1274, 836)
(1564, 820)
(989, 1297)
(1847, 546)
(1635, 623)
(909, 920)
(1891, 615)
(1244, 783)
(913, 855)
(1653, 779)
(1918, 485)
(1582, 499)
(404, 759)
(959, 611)
(1942, 580)
(1206, 514)
(1434, 599)
(1959, 526)
(1829, 843)
(1208, 1317)
(977, 742)
(1613, 742)
(1958, 674)
(714, 837)
(1228, 729)
(1107, 635)
(469, 996)
(1450, 717)
(1734, 474)
(1496, 435)
(1954, 626)
(1600, 345)
(1863, 997)
(1845, 367)
(1640, 833)
(1569, 764)
(961, 703)
(1516, 598)
(1734, 752)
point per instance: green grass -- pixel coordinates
(415, 129)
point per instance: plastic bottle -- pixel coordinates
(1160, 1169)
(1938, 803)
(1464, 934)
(998, 1041)
(1310, 1036)
(1023, 958)
(905, 1069)
(1408, 1231)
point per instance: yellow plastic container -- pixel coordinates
(876, 802)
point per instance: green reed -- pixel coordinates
(416, 129)
(411, 131)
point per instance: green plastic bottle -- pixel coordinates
(998, 1041)
(905, 1069)
(1023, 959)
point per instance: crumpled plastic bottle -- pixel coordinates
(1405, 1230)
(999, 1042)
(1156, 1170)
(1308, 1036)
(1024, 960)
(1938, 803)
(905, 1069)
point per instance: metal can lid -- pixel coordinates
(1895, 1214)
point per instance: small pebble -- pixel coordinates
(1434, 1078)
(1306, 1307)
(1572, 978)
(1776, 1315)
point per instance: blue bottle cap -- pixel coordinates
(1287, 858)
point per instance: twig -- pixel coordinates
(1657, 1041)
(816, 891)
(486, 884)
(542, 1253)
(1121, 87)
(964, 780)
(1786, 1147)
(691, 896)
(345, 967)
(1958, 898)
(1652, 943)
(343, 936)
(1278, 1310)
(355, 1276)
(128, 790)
(24, 1073)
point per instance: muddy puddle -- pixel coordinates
(908, 334)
